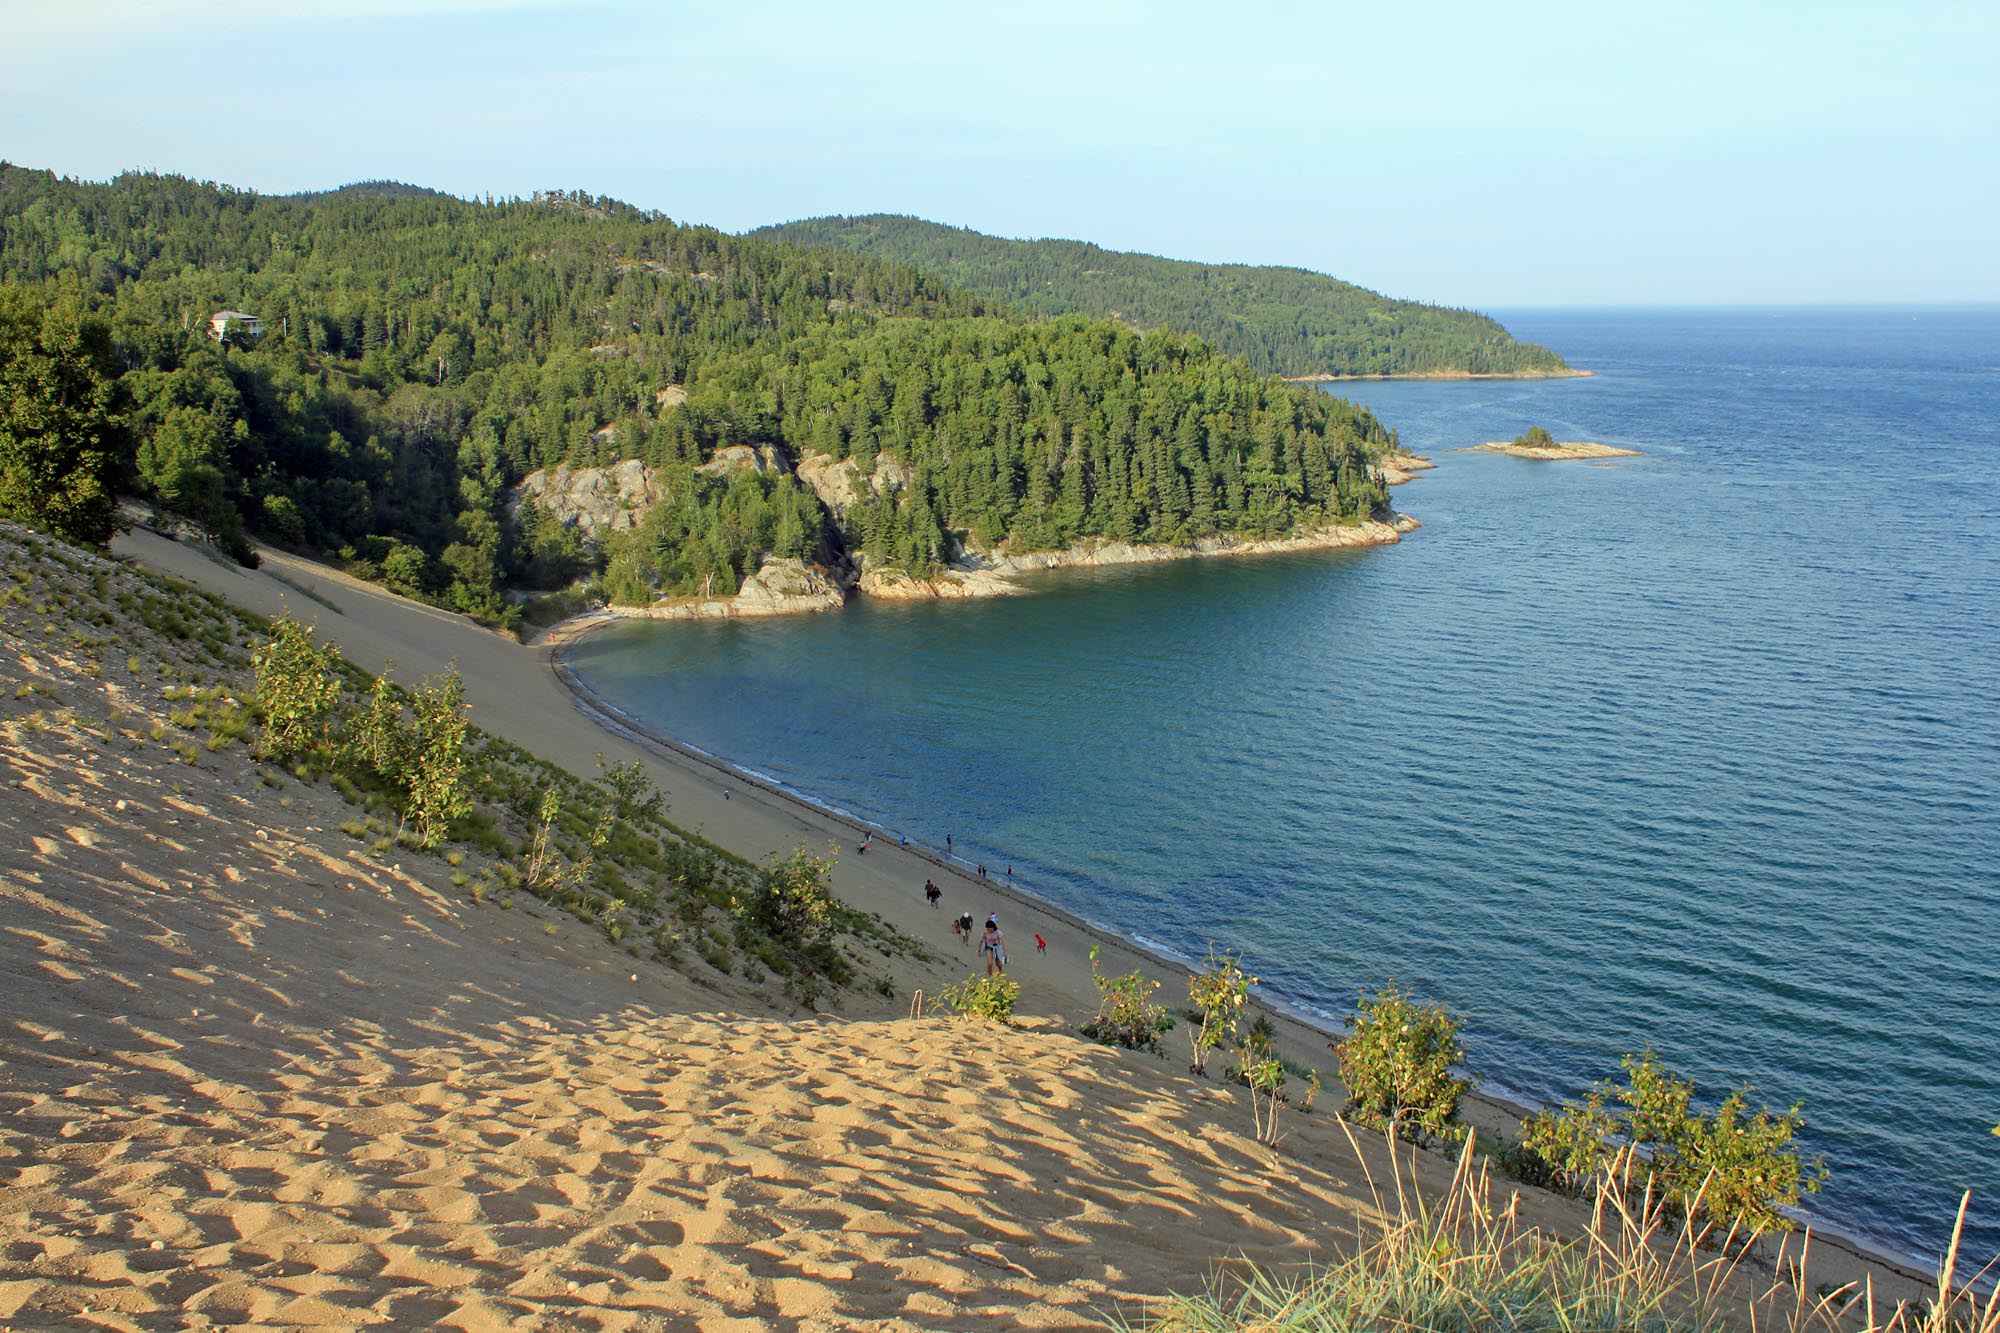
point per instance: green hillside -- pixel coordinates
(1286, 321)
(419, 354)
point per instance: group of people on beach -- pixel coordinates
(992, 941)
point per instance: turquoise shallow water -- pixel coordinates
(1699, 750)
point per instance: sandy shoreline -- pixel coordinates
(527, 695)
(1302, 1036)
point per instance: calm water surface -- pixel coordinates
(1699, 749)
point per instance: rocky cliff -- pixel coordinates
(598, 501)
(778, 588)
(604, 500)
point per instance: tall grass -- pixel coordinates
(1458, 1262)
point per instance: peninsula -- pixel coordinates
(515, 409)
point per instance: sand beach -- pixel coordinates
(256, 1073)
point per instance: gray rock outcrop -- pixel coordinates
(596, 501)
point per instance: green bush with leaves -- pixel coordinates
(1733, 1164)
(633, 796)
(1126, 1015)
(990, 997)
(1218, 993)
(1265, 1076)
(546, 873)
(377, 739)
(1397, 1061)
(793, 901)
(435, 782)
(297, 688)
(1535, 437)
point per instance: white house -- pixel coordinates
(225, 322)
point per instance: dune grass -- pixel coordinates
(1459, 1264)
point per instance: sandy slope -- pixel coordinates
(251, 1072)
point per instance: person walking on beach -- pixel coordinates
(993, 945)
(1041, 945)
(962, 928)
(932, 893)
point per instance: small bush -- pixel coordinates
(1126, 1015)
(633, 797)
(1535, 437)
(1218, 993)
(989, 997)
(297, 688)
(1732, 1164)
(377, 739)
(1265, 1077)
(1397, 1061)
(792, 901)
(435, 780)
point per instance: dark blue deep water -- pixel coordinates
(1701, 749)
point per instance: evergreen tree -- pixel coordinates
(64, 445)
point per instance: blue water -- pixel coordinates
(1700, 749)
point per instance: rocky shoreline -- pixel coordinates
(599, 502)
(783, 587)
(1560, 451)
(1331, 377)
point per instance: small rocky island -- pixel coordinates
(1538, 444)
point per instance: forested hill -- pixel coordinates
(1287, 321)
(419, 354)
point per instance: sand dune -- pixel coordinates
(253, 1074)
(254, 1071)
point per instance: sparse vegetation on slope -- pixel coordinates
(195, 675)
(1465, 1262)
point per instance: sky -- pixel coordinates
(1482, 154)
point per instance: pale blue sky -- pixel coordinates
(1480, 154)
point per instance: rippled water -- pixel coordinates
(1696, 750)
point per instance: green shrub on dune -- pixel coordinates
(1397, 1061)
(989, 997)
(1739, 1166)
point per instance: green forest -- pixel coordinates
(419, 354)
(1286, 321)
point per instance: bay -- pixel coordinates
(1698, 750)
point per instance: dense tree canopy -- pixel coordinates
(1288, 321)
(420, 354)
